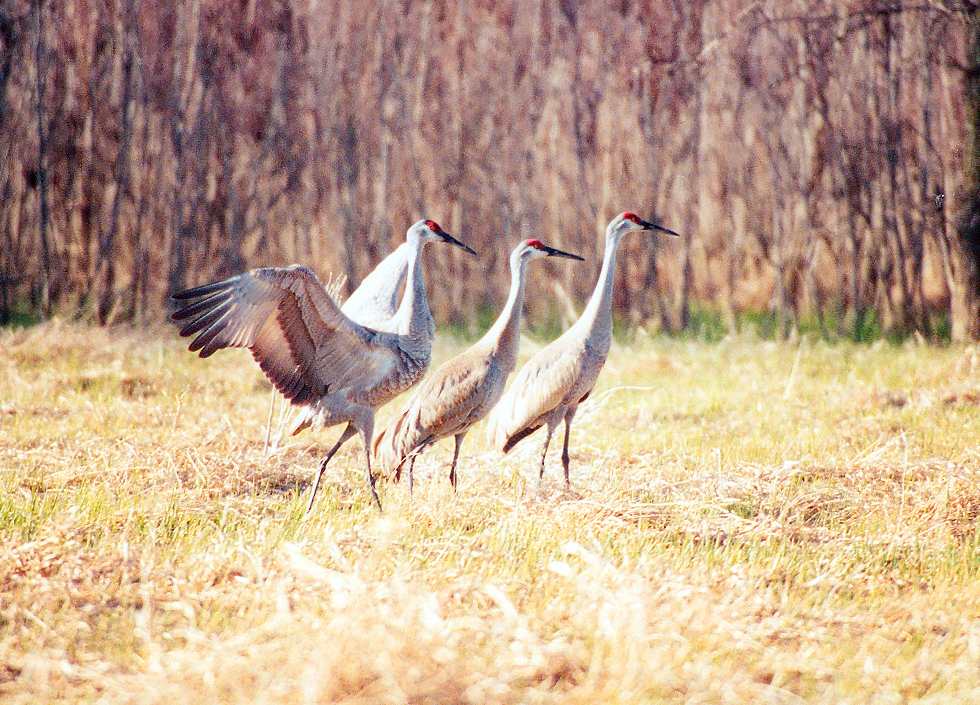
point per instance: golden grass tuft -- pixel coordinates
(750, 522)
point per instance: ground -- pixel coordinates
(749, 522)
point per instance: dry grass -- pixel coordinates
(739, 532)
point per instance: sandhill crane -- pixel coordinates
(559, 377)
(335, 369)
(461, 391)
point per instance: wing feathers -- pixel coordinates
(376, 300)
(294, 329)
(204, 322)
(296, 333)
(199, 291)
(202, 305)
(208, 342)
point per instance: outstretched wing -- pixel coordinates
(544, 383)
(376, 299)
(296, 333)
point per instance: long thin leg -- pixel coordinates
(411, 475)
(452, 470)
(344, 437)
(366, 427)
(370, 475)
(564, 451)
(544, 451)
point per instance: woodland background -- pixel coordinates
(819, 158)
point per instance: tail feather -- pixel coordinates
(501, 428)
(378, 439)
(303, 420)
(516, 438)
(398, 440)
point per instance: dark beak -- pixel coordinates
(553, 252)
(446, 237)
(653, 226)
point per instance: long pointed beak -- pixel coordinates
(554, 252)
(653, 226)
(446, 237)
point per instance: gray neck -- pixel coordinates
(597, 317)
(413, 316)
(504, 335)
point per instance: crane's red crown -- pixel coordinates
(536, 244)
(433, 226)
(629, 215)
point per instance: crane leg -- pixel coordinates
(452, 470)
(344, 437)
(411, 476)
(367, 431)
(544, 451)
(564, 451)
(370, 475)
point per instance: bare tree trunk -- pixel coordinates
(732, 251)
(108, 253)
(965, 250)
(893, 153)
(348, 181)
(140, 252)
(855, 289)
(778, 249)
(687, 270)
(8, 262)
(40, 69)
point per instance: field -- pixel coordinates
(750, 522)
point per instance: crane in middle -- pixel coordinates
(464, 389)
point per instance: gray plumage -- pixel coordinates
(549, 387)
(335, 369)
(461, 391)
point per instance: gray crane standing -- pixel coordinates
(337, 370)
(549, 387)
(462, 390)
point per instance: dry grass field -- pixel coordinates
(750, 522)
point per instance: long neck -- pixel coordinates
(414, 317)
(504, 335)
(597, 317)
